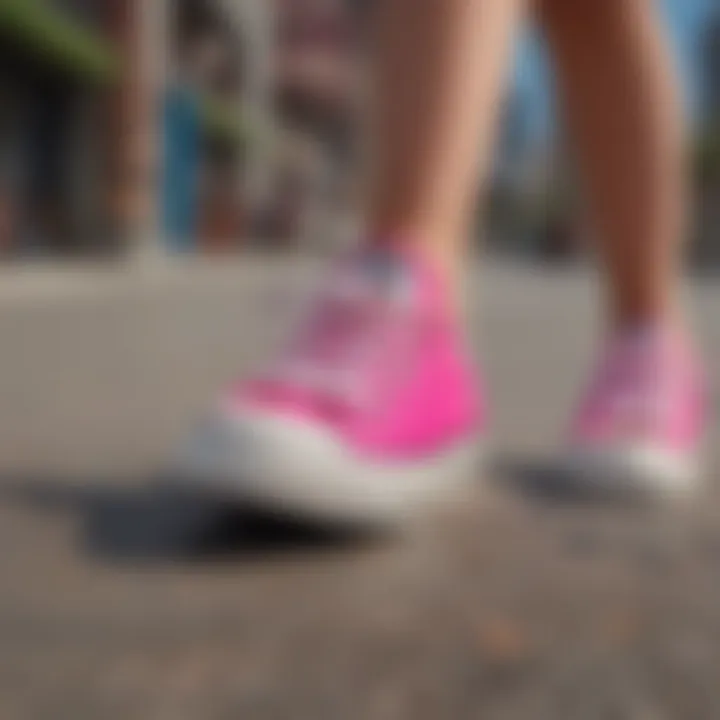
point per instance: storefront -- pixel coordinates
(53, 72)
(203, 132)
(123, 127)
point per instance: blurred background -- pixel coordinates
(137, 131)
(130, 128)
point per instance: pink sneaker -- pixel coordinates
(371, 412)
(640, 428)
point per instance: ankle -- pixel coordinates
(671, 329)
(656, 316)
(441, 261)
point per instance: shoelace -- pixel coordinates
(635, 386)
(340, 350)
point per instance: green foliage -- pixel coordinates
(48, 31)
(223, 121)
(707, 155)
(231, 123)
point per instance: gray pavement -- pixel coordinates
(118, 600)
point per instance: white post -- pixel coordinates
(254, 22)
(150, 71)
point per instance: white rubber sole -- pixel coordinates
(632, 472)
(293, 466)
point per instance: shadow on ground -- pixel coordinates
(154, 523)
(550, 482)
(137, 524)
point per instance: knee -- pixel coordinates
(586, 18)
(590, 10)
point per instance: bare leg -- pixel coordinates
(621, 94)
(441, 66)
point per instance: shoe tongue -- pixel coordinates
(656, 345)
(643, 338)
(386, 273)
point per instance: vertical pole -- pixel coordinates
(141, 30)
(254, 21)
(151, 74)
